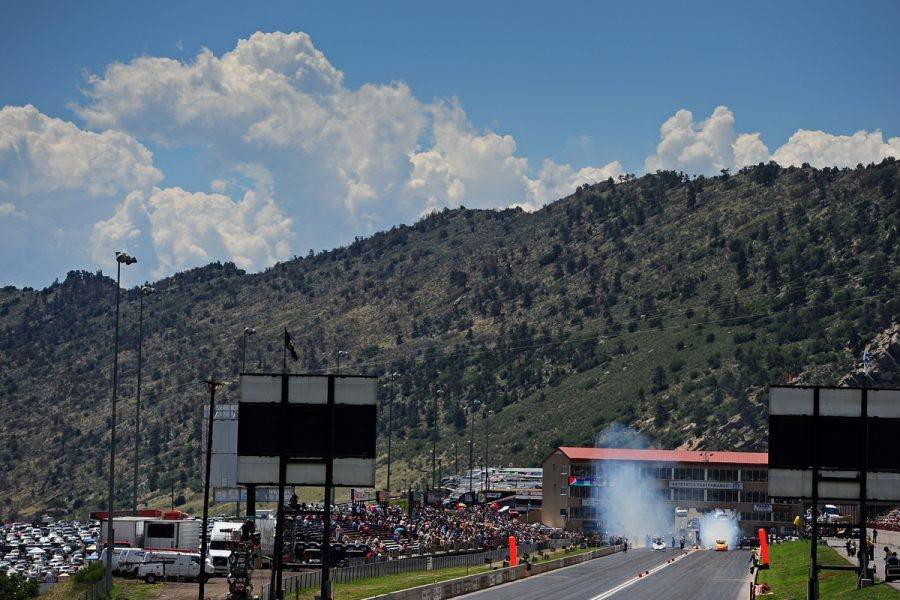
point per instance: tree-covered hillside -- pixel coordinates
(665, 302)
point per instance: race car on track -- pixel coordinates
(721, 546)
(658, 545)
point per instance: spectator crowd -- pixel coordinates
(384, 531)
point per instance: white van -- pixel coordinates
(171, 565)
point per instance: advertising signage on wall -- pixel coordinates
(706, 485)
(583, 481)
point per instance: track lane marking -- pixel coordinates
(545, 575)
(634, 580)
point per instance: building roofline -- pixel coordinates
(653, 455)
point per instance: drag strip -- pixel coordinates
(583, 581)
(640, 577)
(703, 575)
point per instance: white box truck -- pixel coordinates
(183, 534)
(128, 531)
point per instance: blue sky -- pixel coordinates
(584, 84)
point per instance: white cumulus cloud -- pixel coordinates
(7, 209)
(821, 149)
(713, 144)
(41, 155)
(193, 228)
(372, 155)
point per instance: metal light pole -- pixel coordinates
(121, 259)
(456, 459)
(472, 410)
(434, 436)
(340, 353)
(247, 331)
(393, 377)
(201, 577)
(487, 446)
(145, 291)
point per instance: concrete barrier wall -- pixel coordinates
(481, 581)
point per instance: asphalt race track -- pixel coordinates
(700, 575)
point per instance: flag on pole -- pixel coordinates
(289, 344)
(867, 360)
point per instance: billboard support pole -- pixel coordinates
(204, 536)
(278, 551)
(329, 488)
(251, 499)
(812, 588)
(863, 556)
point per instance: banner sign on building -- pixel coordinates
(705, 485)
(843, 438)
(762, 507)
(305, 416)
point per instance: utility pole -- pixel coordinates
(145, 291)
(472, 410)
(201, 577)
(434, 436)
(393, 377)
(121, 259)
(487, 446)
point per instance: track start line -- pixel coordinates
(641, 576)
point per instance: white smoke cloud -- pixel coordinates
(719, 526)
(626, 501)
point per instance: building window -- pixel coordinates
(689, 474)
(690, 494)
(583, 512)
(580, 491)
(581, 470)
(763, 517)
(754, 475)
(563, 491)
(782, 517)
(754, 496)
(722, 474)
(722, 496)
(656, 472)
